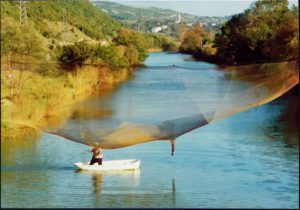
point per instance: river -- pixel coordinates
(247, 160)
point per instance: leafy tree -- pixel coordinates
(132, 40)
(170, 46)
(181, 31)
(111, 56)
(75, 54)
(124, 37)
(132, 54)
(194, 40)
(24, 40)
(267, 30)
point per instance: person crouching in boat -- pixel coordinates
(97, 155)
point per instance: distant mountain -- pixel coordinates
(146, 19)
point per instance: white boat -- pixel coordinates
(110, 165)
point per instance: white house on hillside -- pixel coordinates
(159, 28)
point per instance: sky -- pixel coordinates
(196, 7)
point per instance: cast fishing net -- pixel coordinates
(162, 102)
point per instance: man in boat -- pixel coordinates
(172, 141)
(97, 155)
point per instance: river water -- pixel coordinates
(248, 160)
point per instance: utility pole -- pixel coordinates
(23, 24)
(23, 13)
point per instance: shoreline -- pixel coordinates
(50, 101)
(44, 100)
(155, 49)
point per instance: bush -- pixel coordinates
(75, 54)
(46, 34)
(110, 56)
(132, 54)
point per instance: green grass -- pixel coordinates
(43, 100)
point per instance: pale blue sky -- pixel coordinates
(196, 7)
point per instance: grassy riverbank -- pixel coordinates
(155, 49)
(36, 90)
(31, 99)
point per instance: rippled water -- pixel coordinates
(249, 160)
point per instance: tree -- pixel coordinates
(23, 40)
(75, 54)
(132, 55)
(180, 31)
(268, 30)
(194, 40)
(124, 37)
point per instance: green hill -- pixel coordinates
(53, 23)
(80, 13)
(58, 23)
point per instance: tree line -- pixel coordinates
(267, 31)
(86, 36)
(127, 49)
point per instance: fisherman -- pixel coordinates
(97, 155)
(172, 141)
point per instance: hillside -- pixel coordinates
(53, 23)
(43, 60)
(145, 19)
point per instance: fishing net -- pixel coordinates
(163, 102)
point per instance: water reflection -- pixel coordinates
(164, 103)
(173, 192)
(18, 151)
(111, 183)
(97, 182)
(248, 153)
(290, 117)
(285, 125)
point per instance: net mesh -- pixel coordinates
(163, 102)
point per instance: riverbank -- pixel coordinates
(155, 49)
(31, 99)
(251, 151)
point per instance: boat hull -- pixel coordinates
(110, 165)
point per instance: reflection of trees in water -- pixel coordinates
(18, 151)
(290, 116)
(285, 125)
(25, 187)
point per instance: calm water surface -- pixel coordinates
(248, 160)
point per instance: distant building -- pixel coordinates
(213, 24)
(164, 27)
(156, 29)
(159, 28)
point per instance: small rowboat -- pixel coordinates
(110, 165)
